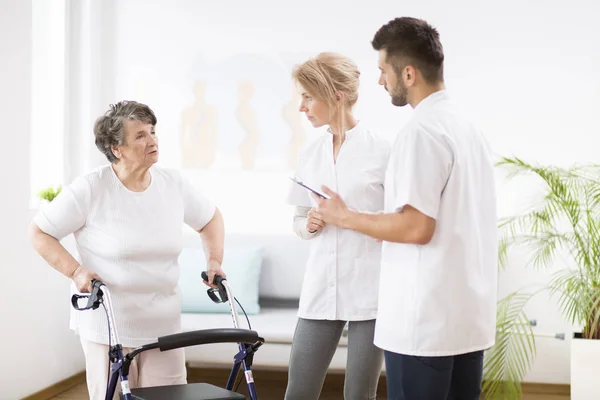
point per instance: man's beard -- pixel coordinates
(399, 95)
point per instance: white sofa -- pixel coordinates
(280, 283)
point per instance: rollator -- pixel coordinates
(248, 342)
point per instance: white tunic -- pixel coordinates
(342, 273)
(439, 299)
(132, 240)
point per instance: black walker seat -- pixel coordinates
(191, 391)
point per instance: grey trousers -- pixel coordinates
(313, 347)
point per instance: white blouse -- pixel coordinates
(132, 240)
(342, 274)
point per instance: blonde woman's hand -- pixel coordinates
(313, 223)
(83, 279)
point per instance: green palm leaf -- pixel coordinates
(507, 362)
(566, 224)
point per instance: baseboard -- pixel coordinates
(217, 374)
(270, 380)
(546, 388)
(276, 379)
(58, 388)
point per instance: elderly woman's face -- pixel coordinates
(141, 145)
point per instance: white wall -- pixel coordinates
(526, 72)
(38, 350)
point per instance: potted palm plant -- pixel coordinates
(567, 223)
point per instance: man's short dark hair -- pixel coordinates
(412, 41)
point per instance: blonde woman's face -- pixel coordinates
(316, 110)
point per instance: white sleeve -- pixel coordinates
(422, 168)
(300, 216)
(68, 211)
(198, 209)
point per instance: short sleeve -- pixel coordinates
(198, 209)
(422, 169)
(68, 212)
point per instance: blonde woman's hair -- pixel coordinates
(328, 73)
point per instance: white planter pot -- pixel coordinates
(585, 368)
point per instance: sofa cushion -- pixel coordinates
(272, 324)
(284, 260)
(275, 325)
(242, 266)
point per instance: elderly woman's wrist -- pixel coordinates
(74, 271)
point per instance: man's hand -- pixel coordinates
(313, 223)
(333, 210)
(214, 268)
(83, 279)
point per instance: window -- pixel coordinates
(48, 94)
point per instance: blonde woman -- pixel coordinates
(342, 274)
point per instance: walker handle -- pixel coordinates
(94, 298)
(217, 280)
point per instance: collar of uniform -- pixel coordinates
(350, 131)
(430, 100)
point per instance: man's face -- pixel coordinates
(391, 81)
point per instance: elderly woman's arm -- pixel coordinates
(60, 259)
(64, 215)
(213, 237)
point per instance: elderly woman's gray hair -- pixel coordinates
(109, 129)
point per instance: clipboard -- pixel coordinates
(299, 182)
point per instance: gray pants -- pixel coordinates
(313, 347)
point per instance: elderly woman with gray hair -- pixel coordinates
(127, 219)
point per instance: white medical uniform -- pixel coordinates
(439, 299)
(342, 274)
